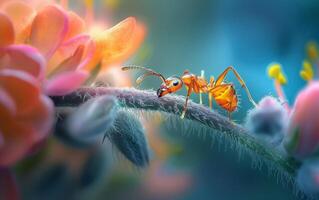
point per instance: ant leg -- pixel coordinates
(189, 91)
(241, 81)
(200, 98)
(201, 93)
(210, 95)
(210, 99)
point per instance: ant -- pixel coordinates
(223, 93)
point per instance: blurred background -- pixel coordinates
(196, 35)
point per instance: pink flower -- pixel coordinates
(26, 114)
(70, 50)
(303, 138)
(47, 50)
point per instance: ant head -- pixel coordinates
(171, 85)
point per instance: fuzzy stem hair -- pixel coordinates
(173, 104)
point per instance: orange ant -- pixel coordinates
(223, 93)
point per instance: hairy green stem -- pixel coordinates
(147, 100)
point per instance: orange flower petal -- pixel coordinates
(25, 58)
(41, 118)
(132, 45)
(118, 43)
(112, 43)
(88, 54)
(40, 4)
(76, 25)
(20, 132)
(3, 1)
(6, 30)
(14, 146)
(66, 50)
(16, 140)
(70, 63)
(22, 87)
(20, 13)
(48, 30)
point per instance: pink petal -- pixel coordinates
(22, 88)
(20, 13)
(88, 55)
(70, 63)
(65, 83)
(69, 46)
(66, 50)
(6, 102)
(25, 58)
(49, 29)
(6, 30)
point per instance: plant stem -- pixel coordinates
(173, 104)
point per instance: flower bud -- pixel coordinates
(268, 121)
(128, 136)
(93, 117)
(303, 132)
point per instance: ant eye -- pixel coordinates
(175, 83)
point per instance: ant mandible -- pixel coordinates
(223, 93)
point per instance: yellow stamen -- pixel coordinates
(282, 79)
(275, 72)
(307, 72)
(89, 13)
(312, 50)
(89, 3)
(112, 4)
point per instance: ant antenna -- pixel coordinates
(149, 72)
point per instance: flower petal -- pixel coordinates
(65, 83)
(41, 4)
(118, 43)
(49, 29)
(22, 87)
(6, 30)
(69, 46)
(17, 140)
(112, 41)
(25, 58)
(6, 103)
(66, 50)
(70, 63)
(88, 55)
(20, 13)
(76, 25)
(131, 47)
(304, 123)
(14, 148)
(41, 118)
